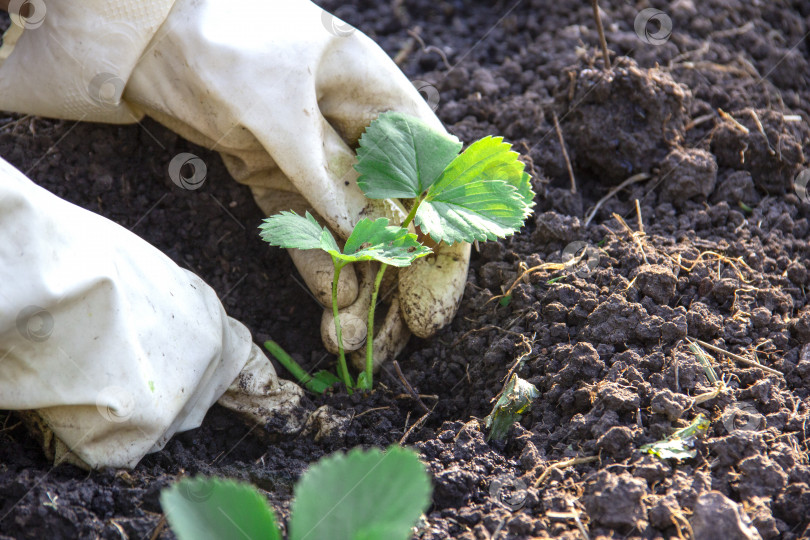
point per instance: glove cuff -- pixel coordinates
(73, 59)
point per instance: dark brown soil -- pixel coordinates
(605, 346)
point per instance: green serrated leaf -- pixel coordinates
(370, 240)
(400, 156)
(212, 509)
(489, 158)
(363, 494)
(483, 210)
(289, 230)
(483, 194)
(515, 399)
(376, 240)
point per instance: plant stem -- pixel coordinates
(343, 370)
(412, 213)
(287, 361)
(377, 281)
(370, 336)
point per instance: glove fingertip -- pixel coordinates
(431, 289)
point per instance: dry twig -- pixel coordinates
(717, 256)
(565, 154)
(562, 465)
(632, 180)
(430, 48)
(408, 387)
(413, 427)
(602, 40)
(725, 116)
(636, 236)
(740, 359)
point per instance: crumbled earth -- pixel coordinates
(708, 240)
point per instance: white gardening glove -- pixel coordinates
(113, 345)
(279, 87)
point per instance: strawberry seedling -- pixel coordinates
(362, 494)
(369, 241)
(481, 194)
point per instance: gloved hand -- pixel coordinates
(113, 345)
(281, 88)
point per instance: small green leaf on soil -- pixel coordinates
(680, 444)
(515, 399)
(212, 509)
(400, 156)
(505, 301)
(363, 494)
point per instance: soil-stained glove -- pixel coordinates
(281, 88)
(113, 345)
